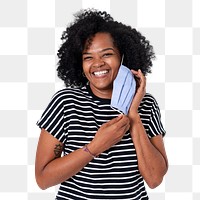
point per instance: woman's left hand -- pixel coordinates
(140, 92)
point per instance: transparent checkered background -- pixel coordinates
(30, 34)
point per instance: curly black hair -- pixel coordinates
(137, 51)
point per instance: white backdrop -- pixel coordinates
(30, 32)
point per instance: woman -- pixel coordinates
(85, 144)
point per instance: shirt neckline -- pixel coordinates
(103, 100)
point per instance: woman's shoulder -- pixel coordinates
(149, 98)
(70, 93)
(148, 103)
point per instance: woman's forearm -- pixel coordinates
(151, 161)
(62, 168)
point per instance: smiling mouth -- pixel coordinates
(100, 73)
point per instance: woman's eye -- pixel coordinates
(107, 54)
(87, 58)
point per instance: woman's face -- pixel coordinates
(101, 61)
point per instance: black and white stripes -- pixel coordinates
(73, 117)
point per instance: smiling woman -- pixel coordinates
(85, 145)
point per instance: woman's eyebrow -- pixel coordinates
(106, 49)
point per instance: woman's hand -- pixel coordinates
(109, 134)
(140, 92)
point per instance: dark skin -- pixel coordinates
(101, 62)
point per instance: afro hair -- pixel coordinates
(137, 51)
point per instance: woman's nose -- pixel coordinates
(98, 63)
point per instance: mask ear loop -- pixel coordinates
(122, 59)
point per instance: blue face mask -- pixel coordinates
(124, 87)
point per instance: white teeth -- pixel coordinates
(100, 73)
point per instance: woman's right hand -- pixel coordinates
(109, 134)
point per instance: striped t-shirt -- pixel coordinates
(73, 117)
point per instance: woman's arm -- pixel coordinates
(152, 158)
(52, 169)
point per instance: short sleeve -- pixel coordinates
(155, 126)
(52, 119)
